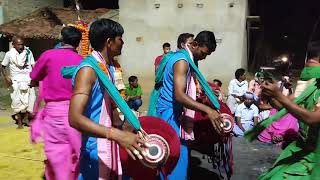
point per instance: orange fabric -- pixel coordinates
(105, 70)
(122, 93)
(117, 65)
(84, 48)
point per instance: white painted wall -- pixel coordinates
(155, 26)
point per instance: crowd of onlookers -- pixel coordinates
(250, 107)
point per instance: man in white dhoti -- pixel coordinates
(20, 61)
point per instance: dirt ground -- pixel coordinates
(19, 159)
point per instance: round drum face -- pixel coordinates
(228, 122)
(157, 153)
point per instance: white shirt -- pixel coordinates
(246, 114)
(237, 88)
(14, 59)
(264, 115)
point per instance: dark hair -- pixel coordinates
(313, 50)
(166, 44)
(71, 35)
(206, 38)
(103, 29)
(183, 39)
(239, 72)
(132, 78)
(218, 81)
(16, 38)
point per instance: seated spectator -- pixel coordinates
(254, 84)
(133, 93)
(217, 91)
(281, 132)
(285, 85)
(246, 115)
(264, 108)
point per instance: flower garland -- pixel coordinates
(103, 67)
(84, 48)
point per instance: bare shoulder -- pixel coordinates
(85, 76)
(181, 64)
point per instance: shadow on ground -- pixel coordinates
(197, 172)
(250, 160)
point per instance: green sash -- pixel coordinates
(67, 72)
(159, 80)
(310, 72)
(27, 56)
(155, 94)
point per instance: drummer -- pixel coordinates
(91, 109)
(173, 95)
(246, 115)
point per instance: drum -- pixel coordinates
(228, 122)
(203, 131)
(162, 154)
(207, 141)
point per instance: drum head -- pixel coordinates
(157, 153)
(228, 122)
(163, 153)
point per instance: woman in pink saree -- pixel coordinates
(62, 143)
(280, 132)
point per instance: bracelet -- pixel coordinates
(86, 94)
(108, 134)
